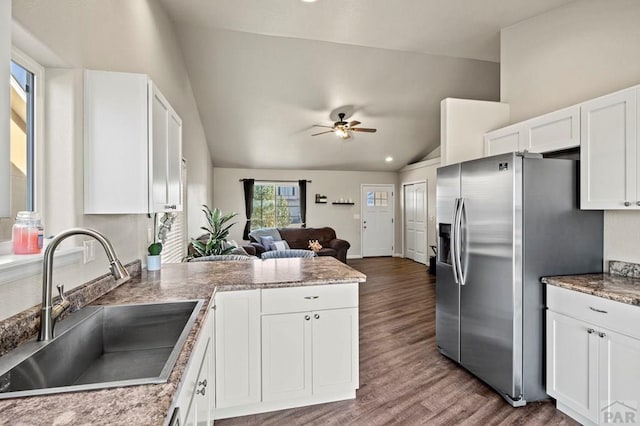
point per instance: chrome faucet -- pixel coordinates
(49, 314)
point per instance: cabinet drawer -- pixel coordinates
(598, 311)
(309, 298)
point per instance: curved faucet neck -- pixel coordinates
(117, 270)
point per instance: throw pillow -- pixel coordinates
(279, 245)
(266, 242)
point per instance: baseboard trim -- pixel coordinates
(354, 256)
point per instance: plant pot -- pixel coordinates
(154, 262)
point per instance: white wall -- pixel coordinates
(578, 52)
(5, 57)
(229, 197)
(463, 123)
(425, 170)
(118, 35)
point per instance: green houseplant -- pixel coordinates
(155, 248)
(217, 231)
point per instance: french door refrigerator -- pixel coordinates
(503, 222)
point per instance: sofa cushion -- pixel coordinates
(279, 245)
(264, 232)
(266, 241)
(298, 238)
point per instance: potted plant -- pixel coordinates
(154, 258)
(217, 231)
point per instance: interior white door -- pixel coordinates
(377, 220)
(415, 226)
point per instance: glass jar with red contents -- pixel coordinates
(27, 233)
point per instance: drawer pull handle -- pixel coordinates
(601, 334)
(598, 310)
(203, 383)
(202, 391)
(307, 317)
(590, 330)
(316, 316)
(311, 297)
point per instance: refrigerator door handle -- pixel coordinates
(454, 232)
(461, 271)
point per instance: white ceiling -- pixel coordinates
(264, 71)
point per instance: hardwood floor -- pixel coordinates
(403, 378)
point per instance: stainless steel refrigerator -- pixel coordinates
(503, 222)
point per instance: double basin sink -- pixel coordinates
(101, 347)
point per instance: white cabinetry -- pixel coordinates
(286, 347)
(132, 146)
(237, 348)
(593, 356)
(555, 131)
(609, 152)
(507, 139)
(195, 398)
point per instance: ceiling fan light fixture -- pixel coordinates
(388, 159)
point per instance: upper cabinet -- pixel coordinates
(555, 131)
(609, 153)
(132, 146)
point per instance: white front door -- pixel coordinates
(415, 221)
(377, 220)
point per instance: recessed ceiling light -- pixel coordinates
(388, 159)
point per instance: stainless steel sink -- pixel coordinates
(101, 347)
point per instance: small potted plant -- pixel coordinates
(154, 258)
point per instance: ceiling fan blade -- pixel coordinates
(319, 125)
(363, 129)
(322, 133)
(354, 123)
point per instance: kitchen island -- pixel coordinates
(154, 404)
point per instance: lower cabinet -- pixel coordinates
(285, 347)
(593, 357)
(309, 353)
(195, 399)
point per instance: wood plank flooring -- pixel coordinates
(403, 378)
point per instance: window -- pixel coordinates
(275, 205)
(25, 76)
(377, 198)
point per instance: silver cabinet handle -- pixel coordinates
(627, 203)
(637, 203)
(598, 310)
(203, 383)
(590, 330)
(307, 317)
(316, 316)
(202, 391)
(601, 334)
(311, 297)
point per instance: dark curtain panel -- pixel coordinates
(248, 205)
(303, 202)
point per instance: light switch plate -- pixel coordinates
(89, 254)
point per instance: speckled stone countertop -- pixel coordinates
(620, 284)
(150, 404)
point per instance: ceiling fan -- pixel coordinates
(343, 129)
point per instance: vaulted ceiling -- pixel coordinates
(264, 71)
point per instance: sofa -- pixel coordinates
(298, 238)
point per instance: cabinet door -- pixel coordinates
(501, 141)
(198, 412)
(608, 152)
(158, 142)
(286, 356)
(554, 131)
(619, 392)
(174, 162)
(572, 365)
(237, 348)
(335, 351)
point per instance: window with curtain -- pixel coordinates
(276, 205)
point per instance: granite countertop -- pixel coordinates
(150, 404)
(621, 284)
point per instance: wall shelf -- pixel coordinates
(343, 204)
